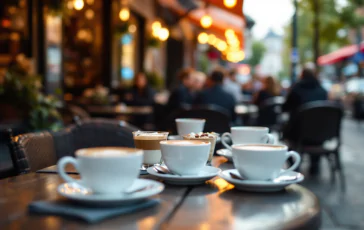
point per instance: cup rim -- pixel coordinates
(193, 120)
(280, 147)
(131, 152)
(250, 128)
(202, 143)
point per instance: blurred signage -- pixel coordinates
(53, 45)
(295, 56)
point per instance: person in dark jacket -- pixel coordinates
(307, 89)
(270, 89)
(183, 93)
(216, 95)
(141, 94)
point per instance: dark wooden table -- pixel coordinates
(214, 205)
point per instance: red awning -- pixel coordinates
(339, 54)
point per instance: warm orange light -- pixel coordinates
(156, 26)
(229, 3)
(163, 34)
(229, 33)
(78, 4)
(203, 38)
(211, 40)
(89, 14)
(221, 46)
(206, 21)
(124, 14)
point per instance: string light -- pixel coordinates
(211, 39)
(206, 21)
(229, 33)
(163, 34)
(89, 14)
(132, 28)
(229, 3)
(124, 14)
(156, 26)
(203, 38)
(221, 46)
(78, 4)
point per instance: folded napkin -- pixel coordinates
(89, 214)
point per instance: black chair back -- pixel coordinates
(318, 121)
(34, 151)
(269, 112)
(217, 118)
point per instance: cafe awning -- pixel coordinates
(339, 55)
(223, 18)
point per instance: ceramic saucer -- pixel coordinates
(207, 173)
(225, 153)
(259, 186)
(77, 193)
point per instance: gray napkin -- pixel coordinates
(89, 214)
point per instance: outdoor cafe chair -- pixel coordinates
(319, 122)
(33, 151)
(269, 113)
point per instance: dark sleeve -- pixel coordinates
(199, 99)
(173, 101)
(292, 101)
(233, 114)
(257, 98)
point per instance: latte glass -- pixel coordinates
(148, 141)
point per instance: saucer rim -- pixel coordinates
(258, 182)
(151, 171)
(157, 188)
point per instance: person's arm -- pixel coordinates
(256, 98)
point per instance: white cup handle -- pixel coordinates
(268, 139)
(62, 164)
(223, 140)
(297, 160)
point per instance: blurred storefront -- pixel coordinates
(78, 44)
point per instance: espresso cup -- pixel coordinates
(248, 135)
(262, 161)
(189, 125)
(104, 169)
(185, 157)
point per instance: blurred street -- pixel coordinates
(343, 211)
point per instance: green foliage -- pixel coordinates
(155, 80)
(332, 18)
(258, 50)
(153, 42)
(22, 90)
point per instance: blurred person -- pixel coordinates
(198, 80)
(252, 86)
(183, 93)
(216, 95)
(270, 89)
(232, 86)
(141, 94)
(307, 89)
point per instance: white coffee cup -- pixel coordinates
(189, 125)
(185, 157)
(248, 135)
(104, 169)
(262, 161)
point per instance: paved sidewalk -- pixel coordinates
(343, 210)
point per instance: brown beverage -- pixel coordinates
(149, 143)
